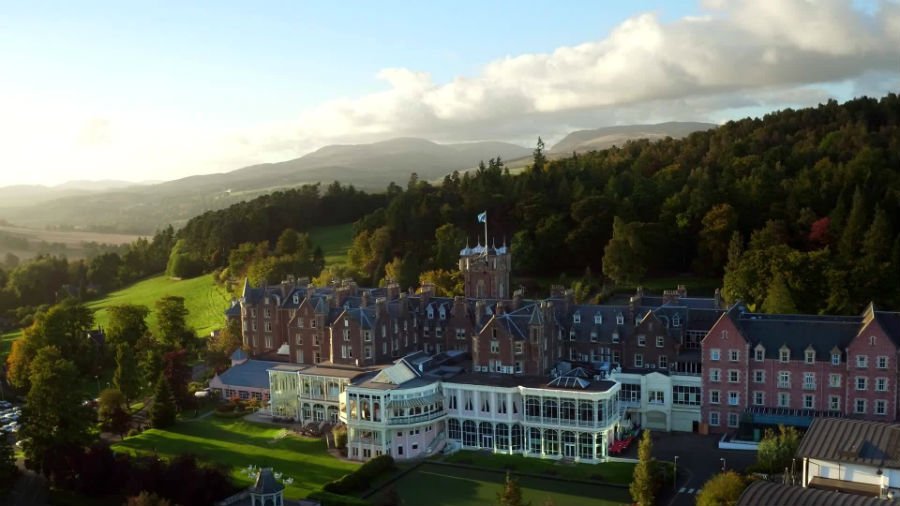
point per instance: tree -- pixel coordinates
(778, 297)
(147, 499)
(511, 495)
(182, 262)
(53, 417)
(448, 241)
(718, 225)
(178, 374)
(17, 364)
(623, 257)
(876, 246)
(723, 489)
(643, 486)
(405, 271)
(777, 449)
(220, 346)
(112, 410)
(127, 375)
(162, 412)
(539, 160)
(446, 283)
(8, 469)
(171, 318)
(127, 324)
(855, 227)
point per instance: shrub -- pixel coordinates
(360, 479)
(340, 436)
(133, 432)
(330, 499)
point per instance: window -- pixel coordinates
(663, 362)
(810, 356)
(859, 406)
(367, 335)
(734, 376)
(862, 361)
(714, 418)
(861, 382)
(732, 419)
(784, 379)
(300, 356)
(639, 360)
(519, 348)
(714, 354)
(714, 375)
(759, 354)
(576, 318)
(834, 402)
(486, 405)
(784, 400)
(880, 407)
(660, 341)
(759, 398)
(759, 376)
(881, 384)
(518, 368)
(714, 397)
(734, 355)
(620, 320)
(368, 351)
(686, 396)
(809, 381)
(268, 326)
(881, 362)
(615, 337)
(676, 321)
(642, 340)
(834, 380)
(872, 340)
(657, 397)
(495, 346)
(734, 398)
(835, 359)
(630, 393)
(312, 322)
(598, 319)
(784, 355)
(809, 402)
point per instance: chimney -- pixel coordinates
(517, 299)
(285, 288)
(682, 291)
(459, 306)
(670, 296)
(364, 300)
(479, 313)
(717, 297)
(352, 287)
(404, 304)
(633, 303)
(393, 290)
(569, 304)
(380, 307)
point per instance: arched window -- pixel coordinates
(534, 440)
(332, 414)
(551, 410)
(567, 411)
(453, 430)
(502, 437)
(532, 407)
(307, 412)
(319, 411)
(470, 433)
(486, 435)
(569, 444)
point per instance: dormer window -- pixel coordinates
(676, 321)
(443, 314)
(296, 299)
(784, 355)
(759, 353)
(430, 314)
(620, 320)
(810, 356)
(346, 322)
(576, 318)
(598, 319)
(835, 358)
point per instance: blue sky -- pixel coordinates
(159, 90)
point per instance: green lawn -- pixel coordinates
(205, 301)
(439, 485)
(237, 444)
(335, 241)
(610, 472)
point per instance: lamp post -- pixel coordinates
(675, 475)
(723, 463)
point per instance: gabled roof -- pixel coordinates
(861, 442)
(766, 493)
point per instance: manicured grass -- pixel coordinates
(335, 242)
(438, 485)
(205, 301)
(609, 472)
(236, 444)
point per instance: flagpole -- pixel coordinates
(485, 234)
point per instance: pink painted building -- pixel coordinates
(761, 370)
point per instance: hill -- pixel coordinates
(74, 244)
(583, 141)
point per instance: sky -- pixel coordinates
(158, 90)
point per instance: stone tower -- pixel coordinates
(485, 271)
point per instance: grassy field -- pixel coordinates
(73, 240)
(610, 472)
(450, 486)
(205, 301)
(237, 444)
(335, 242)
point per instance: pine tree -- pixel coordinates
(127, 376)
(876, 246)
(643, 486)
(162, 413)
(854, 229)
(539, 158)
(511, 494)
(778, 297)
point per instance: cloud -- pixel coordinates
(732, 57)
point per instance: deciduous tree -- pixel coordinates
(127, 377)
(723, 489)
(511, 495)
(643, 487)
(162, 412)
(171, 315)
(127, 324)
(112, 411)
(777, 449)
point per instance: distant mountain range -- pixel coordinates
(142, 208)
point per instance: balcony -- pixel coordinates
(409, 420)
(784, 384)
(809, 386)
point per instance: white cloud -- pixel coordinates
(735, 55)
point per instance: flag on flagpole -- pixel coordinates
(482, 218)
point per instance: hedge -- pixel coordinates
(330, 499)
(360, 479)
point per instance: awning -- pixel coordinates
(847, 487)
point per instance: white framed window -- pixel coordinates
(715, 375)
(859, 406)
(881, 384)
(714, 418)
(834, 380)
(639, 360)
(810, 357)
(576, 318)
(732, 419)
(598, 319)
(660, 341)
(620, 320)
(641, 340)
(367, 335)
(759, 376)
(676, 321)
(784, 379)
(734, 355)
(809, 380)
(880, 407)
(615, 337)
(663, 361)
(495, 346)
(809, 401)
(862, 361)
(759, 354)
(784, 400)
(881, 362)
(714, 397)
(734, 398)
(862, 383)
(835, 359)
(734, 376)
(784, 355)
(759, 398)
(520, 348)
(714, 354)
(657, 397)
(834, 402)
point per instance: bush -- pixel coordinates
(133, 432)
(330, 499)
(340, 437)
(360, 479)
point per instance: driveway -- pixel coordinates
(698, 460)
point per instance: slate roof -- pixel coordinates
(797, 332)
(890, 322)
(238, 355)
(234, 310)
(250, 374)
(875, 444)
(765, 493)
